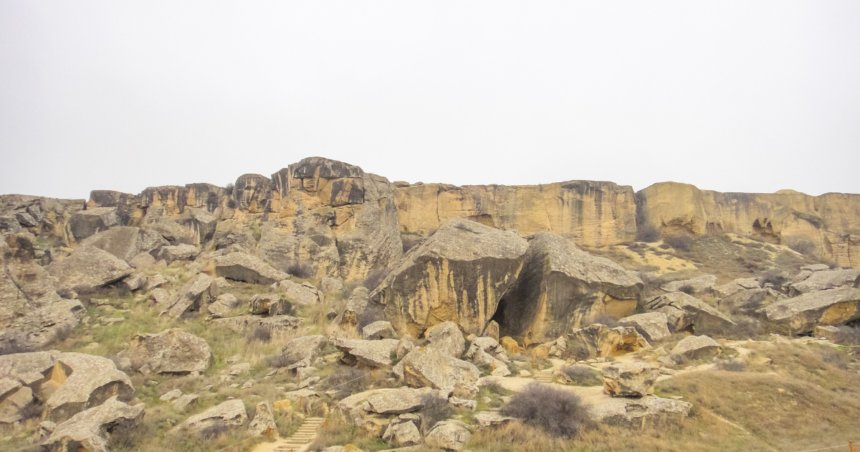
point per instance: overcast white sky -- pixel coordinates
(732, 96)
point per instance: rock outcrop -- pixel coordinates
(247, 268)
(596, 341)
(300, 352)
(561, 287)
(824, 280)
(172, 352)
(639, 413)
(697, 347)
(90, 430)
(126, 242)
(79, 382)
(630, 379)
(653, 326)
(372, 354)
(825, 307)
(458, 274)
(88, 268)
(696, 285)
(685, 312)
(448, 435)
(229, 414)
(193, 295)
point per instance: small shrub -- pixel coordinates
(213, 431)
(301, 271)
(582, 375)
(435, 409)
(730, 365)
(231, 203)
(647, 233)
(774, 277)
(557, 412)
(228, 190)
(261, 334)
(679, 242)
(688, 289)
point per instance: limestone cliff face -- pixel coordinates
(830, 221)
(588, 213)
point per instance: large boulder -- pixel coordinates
(562, 286)
(199, 291)
(15, 401)
(373, 354)
(630, 379)
(402, 434)
(448, 435)
(447, 338)
(89, 268)
(302, 351)
(638, 413)
(231, 413)
(653, 326)
(697, 285)
(86, 223)
(90, 430)
(427, 367)
(824, 307)
(734, 286)
(458, 274)
(697, 347)
(264, 420)
(247, 268)
(824, 280)
(222, 305)
(378, 330)
(269, 304)
(79, 382)
(355, 306)
(171, 352)
(485, 350)
(182, 252)
(686, 313)
(126, 242)
(599, 340)
(746, 301)
(304, 294)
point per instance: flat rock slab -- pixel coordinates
(247, 268)
(824, 307)
(169, 352)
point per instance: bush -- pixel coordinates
(435, 409)
(347, 379)
(231, 203)
(261, 334)
(278, 361)
(557, 412)
(228, 190)
(214, 431)
(647, 233)
(774, 277)
(301, 271)
(687, 289)
(582, 375)
(679, 242)
(730, 365)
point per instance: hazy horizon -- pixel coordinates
(734, 97)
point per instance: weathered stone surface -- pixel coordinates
(737, 285)
(746, 301)
(28, 369)
(653, 326)
(331, 285)
(402, 434)
(249, 323)
(485, 347)
(448, 435)
(405, 345)
(86, 223)
(824, 280)
(184, 401)
(639, 413)
(90, 429)
(815, 267)
(222, 305)
(181, 252)
(697, 347)
(698, 284)
(169, 352)
(355, 306)
(247, 268)
(171, 395)
(126, 242)
(447, 338)
(599, 340)
(260, 303)
(686, 312)
(142, 261)
(837, 334)
(824, 307)
(82, 382)
(264, 420)
(14, 403)
(229, 414)
(561, 287)
(304, 294)
(630, 379)
(195, 294)
(374, 354)
(400, 400)
(378, 330)
(458, 274)
(302, 351)
(434, 369)
(88, 268)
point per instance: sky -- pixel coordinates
(734, 96)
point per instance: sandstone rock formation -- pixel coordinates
(81, 382)
(685, 312)
(447, 339)
(653, 326)
(561, 287)
(195, 294)
(264, 420)
(823, 280)
(825, 307)
(601, 341)
(630, 379)
(88, 268)
(697, 347)
(432, 368)
(300, 352)
(458, 274)
(89, 430)
(169, 352)
(448, 435)
(639, 413)
(126, 242)
(698, 284)
(247, 268)
(231, 413)
(373, 354)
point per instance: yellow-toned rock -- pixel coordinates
(511, 346)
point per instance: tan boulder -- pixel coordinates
(89, 268)
(447, 338)
(652, 325)
(824, 280)
(638, 413)
(231, 413)
(737, 285)
(378, 330)
(171, 352)
(89, 430)
(247, 268)
(699, 284)
(427, 367)
(198, 292)
(126, 242)
(686, 313)
(264, 420)
(355, 306)
(86, 223)
(182, 252)
(303, 294)
(630, 379)
(599, 340)
(302, 351)
(824, 307)
(510, 345)
(458, 274)
(80, 382)
(402, 434)
(448, 435)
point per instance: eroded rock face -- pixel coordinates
(249, 323)
(458, 274)
(355, 306)
(630, 379)
(88, 268)
(304, 294)
(247, 268)
(82, 382)
(446, 338)
(86, 223)
(231, 413)
(825, 307)
(89, 430)
(195, 294)
(601, 341)
(264, 420)
(169, 352)
(698, 284)
(685, 312)
(378, 330)
(653, 326)
(824, 280)
(432, 368)
(735, 286)
(126, 242)
(561, 287)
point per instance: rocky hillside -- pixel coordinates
(325, 308)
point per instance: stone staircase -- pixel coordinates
(303, 436)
